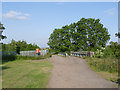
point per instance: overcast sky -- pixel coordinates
(35, 21)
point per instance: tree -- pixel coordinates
(2, 27)
(87, 34)
(117, 35)
(18, 46)
(112, 50)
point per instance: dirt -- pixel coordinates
(73, 72)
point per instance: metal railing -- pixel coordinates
(32, 53)
(24, 53)
(82, 53)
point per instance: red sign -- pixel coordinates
(37, 51)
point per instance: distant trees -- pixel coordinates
(87, 34)
(19, 46)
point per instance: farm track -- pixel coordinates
(73, 72)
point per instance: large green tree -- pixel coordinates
(86, 34)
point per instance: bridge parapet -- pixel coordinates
(82, 53)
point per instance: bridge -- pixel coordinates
(82, 53)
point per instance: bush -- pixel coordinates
(99, 53)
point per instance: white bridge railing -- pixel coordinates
(32, 53)
(82, 53)
(24, 53)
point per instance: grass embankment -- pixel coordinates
(25, 74)
(18, 57)
(106, 67)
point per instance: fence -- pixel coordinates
(43, 52)
(24, 53)
(82, 53)
(32, 53)
(27, 53)
(62, 54)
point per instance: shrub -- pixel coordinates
(99, 53)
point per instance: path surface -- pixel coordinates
(73, 72)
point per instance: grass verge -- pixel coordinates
(25, 74)
(18, 57)
(106, 68)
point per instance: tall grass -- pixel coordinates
(104, 64)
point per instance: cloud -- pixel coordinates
(16, 15)
(110, 11)
(26, 14)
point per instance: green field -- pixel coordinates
(26, 74)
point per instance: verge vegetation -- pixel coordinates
(107, 68)
(18, 57)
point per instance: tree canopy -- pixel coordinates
(87, 35)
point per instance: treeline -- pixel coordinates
(18, 46)
(86, 35)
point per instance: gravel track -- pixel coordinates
(73, 72)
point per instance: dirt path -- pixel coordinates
(73, 72)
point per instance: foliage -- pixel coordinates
(99, 53)
(2, 27)
(4, 37)
(106, 64)
(87, 35)
(112, 50)
(117, 35)
(18, 46)
(106, 67)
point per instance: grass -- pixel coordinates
(25, 74)
(109, 76)
(18, 57)
(104, 64)
(107, 68)
(32, 57)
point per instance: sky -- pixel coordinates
(35, 21)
